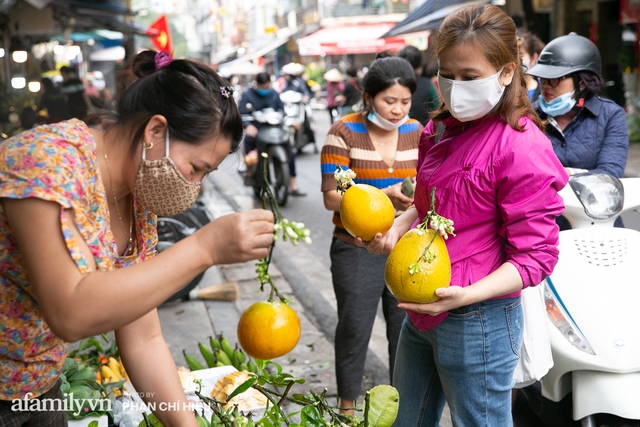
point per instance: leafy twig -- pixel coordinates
(291, 230)
(440, 225)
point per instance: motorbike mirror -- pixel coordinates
(601, 195)
(249, 106)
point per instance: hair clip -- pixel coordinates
(226, 91)
(162, 59)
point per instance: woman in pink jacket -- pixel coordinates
(497, 178)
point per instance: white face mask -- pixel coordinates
(473, 99)
(383, 123)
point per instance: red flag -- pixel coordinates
(160, 35)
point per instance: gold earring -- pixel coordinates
(149, 146)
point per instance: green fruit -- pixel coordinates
(225, 346)
(222, 357)
(202, 422)
(192, 362)
(214, 343)
(207, 355)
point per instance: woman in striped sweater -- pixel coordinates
(381, 146)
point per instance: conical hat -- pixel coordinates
(333, 75)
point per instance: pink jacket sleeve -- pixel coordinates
(528, 180)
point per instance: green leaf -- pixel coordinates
(311, 417)
(150, 421)
(93, 424)
(382, 406)
(242, 387)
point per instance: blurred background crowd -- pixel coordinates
(62, 59)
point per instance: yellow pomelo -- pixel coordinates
(366, 211)
(268, 329)
(420, 286)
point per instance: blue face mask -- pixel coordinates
(263, 92)
(557, 106)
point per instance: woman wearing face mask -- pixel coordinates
(495, 175)
(381, 146)
(529, 53)
(78, 210)
(588, 133)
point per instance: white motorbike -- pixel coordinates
(593, 314)
(297, 113)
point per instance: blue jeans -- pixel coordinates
(467, 360)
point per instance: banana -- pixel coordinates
(215, 420)
(207, 355)
(202, 422)
(243, 367)
(239, 356)
(252, 367)
(192, 362)
(115, 367)
(225, 345)
(214, 343)
(122, 372)
(222, 357)
(108, 376)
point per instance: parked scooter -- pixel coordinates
(297, 112)
(593, 320)
(173, 229)
(273, 140)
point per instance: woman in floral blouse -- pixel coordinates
(79, 203)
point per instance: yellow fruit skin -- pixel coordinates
(419, 287)
(114, 365)
(108, 376)
(365, 211)
(267, 330)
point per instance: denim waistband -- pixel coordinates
(487, 303)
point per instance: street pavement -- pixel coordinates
(306, 280)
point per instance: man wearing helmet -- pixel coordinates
(588, 133)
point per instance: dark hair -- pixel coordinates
(430, 68)
(413, 55)
(66, 70)
(352, 72)
(384, 54)
(263, 78)
(488, 28)
(531, 43)
(47, 84)
(186, 92)
(386, 72)
(591, 81)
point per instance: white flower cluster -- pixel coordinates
(294, 231)
(441, 225)
(344, 178)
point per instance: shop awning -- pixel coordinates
(428, 16)
(350, 39)
(241, 62)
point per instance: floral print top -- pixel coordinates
(57, 163)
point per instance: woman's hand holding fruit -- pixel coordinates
(383, 243)
(399, 200)
(450, 298)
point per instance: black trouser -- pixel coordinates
(43, 418)
(358, 282)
